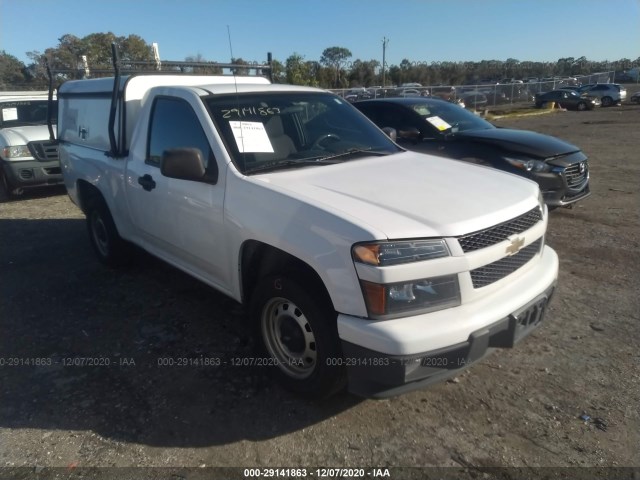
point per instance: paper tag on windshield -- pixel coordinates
(439, 123)
(9, 114)
(251, 137)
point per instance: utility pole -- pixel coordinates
(385, 40)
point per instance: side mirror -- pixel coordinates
(187, 164)
(391, 133)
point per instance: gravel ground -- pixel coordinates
(517, 408)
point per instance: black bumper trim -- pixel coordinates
(377, 375)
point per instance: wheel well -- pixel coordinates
(87, 193)
(259, 260)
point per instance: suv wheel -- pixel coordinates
(298, 335)
(5, 188)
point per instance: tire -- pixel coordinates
(581, 106)
(297, 332)
(5, 188)
(110, 249)
(606, 101)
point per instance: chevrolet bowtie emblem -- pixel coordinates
(516, 245)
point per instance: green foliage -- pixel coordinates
(11, 71)
(332, 70)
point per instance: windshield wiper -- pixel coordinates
(300, 162)
(320, 160)
(355, 151)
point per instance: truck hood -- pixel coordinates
(520, 141)
(410, 195)
(24, 135)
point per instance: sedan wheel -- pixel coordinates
(581, 106)
(607, 101)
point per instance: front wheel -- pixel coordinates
(581, 106)
(299, 336)
(5, 188)
(606, 101)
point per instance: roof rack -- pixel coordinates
(155, 67)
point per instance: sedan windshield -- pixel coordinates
(270, 131)
(449, 118)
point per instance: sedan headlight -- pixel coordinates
(410, 297)
(529, 165)
(16, 151)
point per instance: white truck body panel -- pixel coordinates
(315, 214)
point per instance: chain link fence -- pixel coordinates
(480, 96)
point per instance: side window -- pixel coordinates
(174, 124)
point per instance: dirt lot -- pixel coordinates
(518, 408)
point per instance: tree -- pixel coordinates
(278, 72)
(298, 71)
(12, 71)
(363, 74)
(67, 56)
(335, 57)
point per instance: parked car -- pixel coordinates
(441, 128)
(474, 100)
(635, 98)
(569, 99)
(28, 156)
(608, 93)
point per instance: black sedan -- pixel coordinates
(441, 128)
(567, 98)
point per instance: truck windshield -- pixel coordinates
(268, 131)
(18, 113)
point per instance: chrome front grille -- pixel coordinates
(44, 151)
(488, 274)
(577, 174)
(498, 233)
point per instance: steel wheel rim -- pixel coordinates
(289, 338)
(100, 236)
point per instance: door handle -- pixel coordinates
(147, 182)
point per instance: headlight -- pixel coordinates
(17, 151)
(412, 297)
(529, 165)
(396, 253)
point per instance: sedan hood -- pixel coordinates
(410, 195)
(520, 141)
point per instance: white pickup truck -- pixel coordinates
(28, 156)
(361, 264)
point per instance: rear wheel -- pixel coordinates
(299, 336)
(607, 101)
(103, 234)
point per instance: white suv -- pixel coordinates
(608, 93)
(28, 155)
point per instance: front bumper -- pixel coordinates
(389, 357)
(565, 184)
(377, 375)
(32, 173)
